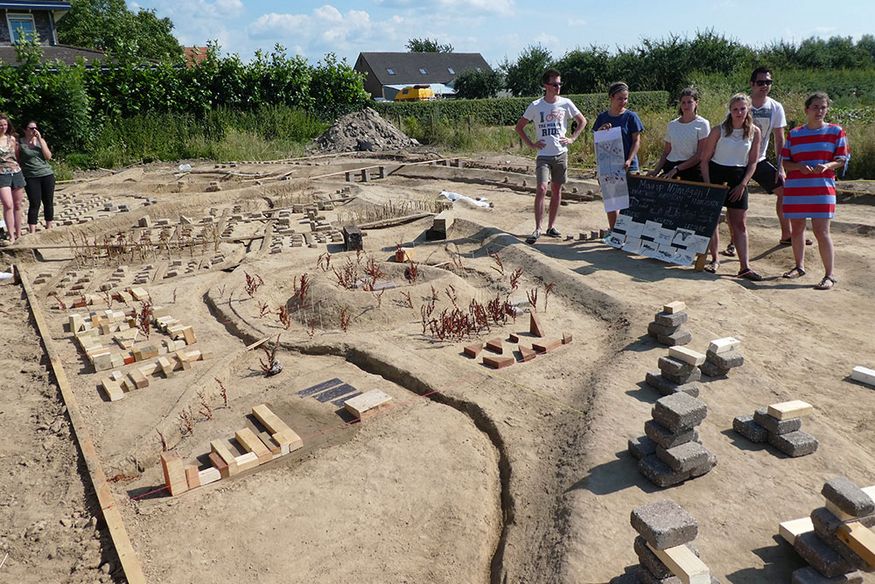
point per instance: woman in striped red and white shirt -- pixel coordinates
(811, 155)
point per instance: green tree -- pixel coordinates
(583, 70)
(336, 88)
(427, 45)
(108, 25)
(474, 84)
(524, 76)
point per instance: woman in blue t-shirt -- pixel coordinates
(617, 116)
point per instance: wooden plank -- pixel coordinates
(219, 464)
(248, 440)
(790, 409)
(246, 461)
(209, 475)
(674, 307)
(270, 420)
(684, 564)
(834, 509)
(224, 452)
(130, 564)
(860, 539)
(367, 403)
(792, 529)
(192, 477)
(272, 445)
(686, 355)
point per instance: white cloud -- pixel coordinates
(502, 7)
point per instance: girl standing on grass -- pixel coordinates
(811, 155)
(34, 155)
(684, 140)
(11, 180)
(617, 116)
(730, 157)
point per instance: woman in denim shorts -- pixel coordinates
(11, 180)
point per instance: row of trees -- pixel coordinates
(663, 64)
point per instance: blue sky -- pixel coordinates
(496, 28)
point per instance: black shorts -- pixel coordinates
(732, 176)
(693, 174)
(767, 176)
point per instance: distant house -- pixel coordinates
(27, 19)
(386, 72)
(194, 55)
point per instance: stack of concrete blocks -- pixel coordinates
(780, 425)
(722, 355)
(668, 326)
(665, 548)
(677, 372)
(837, 539)
(671, 453)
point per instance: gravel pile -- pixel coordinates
(362, 131)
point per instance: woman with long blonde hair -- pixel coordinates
(730, 157)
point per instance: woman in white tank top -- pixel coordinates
(730, 157)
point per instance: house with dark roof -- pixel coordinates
(385, 72)
(29, 19)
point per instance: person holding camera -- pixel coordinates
(34, 156)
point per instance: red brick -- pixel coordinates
(495, 345)
(566, 338)
(129, 359)
(473, 350)
(498, 362)
(547, 345)
(528, 354)
(513, 338)
(535, 325)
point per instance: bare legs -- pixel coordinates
(612, 218)
(11, 199)
(737, 219)
(820, 226)
(555, 201)
(786, 229)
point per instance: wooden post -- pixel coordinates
(700, 262)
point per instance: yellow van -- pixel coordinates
(415, 93)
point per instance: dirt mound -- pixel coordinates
(362, 131)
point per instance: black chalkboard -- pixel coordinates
(676, 204)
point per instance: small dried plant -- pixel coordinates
(378, 295)
(269, 364)
(174, 296)
(163, 441)
(303, 288)
(450, 291)
(107, 298)
(348, 274)
(548, 289)
(499, 266)
(311, 329)
(515, 279)
(324, 261)
(206, 410)
(263, 309)
(223, 391)
(60, 302)
(344, 318)
(222, 291)
(253, 283)
(284, 317)
(186, 422)
(408, 302)
(144, 319)
(532, 295)
(411, 272)
(374, 273)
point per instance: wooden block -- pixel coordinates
(535, 325)
(272, 445)
(674, 307)
(368, 403)
(182, 358)
(117, 360)
(792, 529)
(149, 368)
(174, 473)
(166, 366)
(701, 260)
(495, 345)
(220, 465)
(860, 539)
(686, 355)
(112, 389)
(140, 381)
(498, 362)
(863, 375)
(684, 564)
(76, 323)
(473, 350)
(547, 345)
(833, 508)
(192, 476)
(270, 420)
(194, 355)
(175, 331)
(288, 440)
(247, 461)
(209, 475)
(102, 361)
(248, 440)
(527, 354)
(790, 409)
(566, 338)
(221, 448)
(116, 376)
(139, 294)
(724, 345)
(146, 352)
(188, 334)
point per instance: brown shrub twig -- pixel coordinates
(253, 283)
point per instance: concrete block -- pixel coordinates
(809, 575)
(827, 527)
(820, 556)
(649, 560)
(747, 427)
(659, 473)
(684, 378)
(848, 497)
(670, 320)
(667, 387)
(794, 444)
(711, 370)
(664, 524)
(686, 355)
(705, 467)
(774, 425)
(724, 345)
(665, 438)
(675, 367)
(727, 360)
(659, 330)
(790, 409)
(641, 447)
(684, 457)
(679, 412)
(681, 336)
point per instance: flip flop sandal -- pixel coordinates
(729, 251)
(787, 241)
(711, 267)
(749, 274)
(827, 283)
(796, 272)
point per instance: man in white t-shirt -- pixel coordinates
(551, 116)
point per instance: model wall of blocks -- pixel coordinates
(668, 326)
(502, 358)
(836, 540)
(722, 356)
(678, 372)
(780, 425)
(665, 547)
(670, 451)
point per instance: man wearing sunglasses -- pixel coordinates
(551, 116)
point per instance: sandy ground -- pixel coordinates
(474, 475)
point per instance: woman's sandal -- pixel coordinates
(712, 266)
(749, 274)
(730, 250)
(796, 272)
(827, 283)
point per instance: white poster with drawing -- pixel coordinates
(610, 162)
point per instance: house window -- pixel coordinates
(423, 71)
(390, 70)
(451, 71)
(21, 27)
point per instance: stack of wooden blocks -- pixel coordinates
(837, 539)
(247, 449)
(780, 425)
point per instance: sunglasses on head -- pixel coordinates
(762, 82)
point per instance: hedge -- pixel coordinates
(505, 111)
